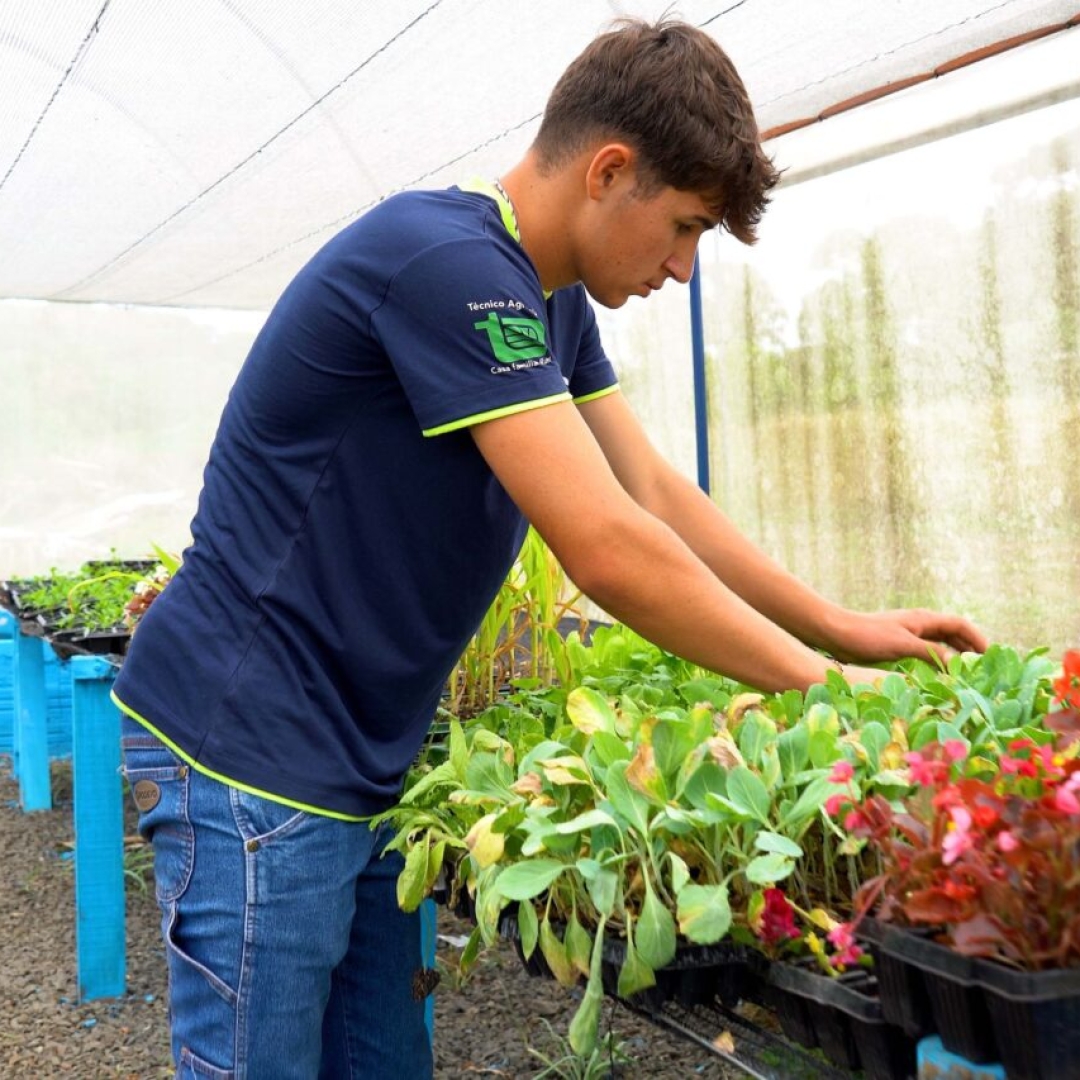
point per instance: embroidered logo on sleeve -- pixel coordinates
(514, 338)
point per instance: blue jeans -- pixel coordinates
(288, 955)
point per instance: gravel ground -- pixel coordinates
(485, 1028)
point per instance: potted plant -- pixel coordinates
(628, 842)
(979, 888)
(646, 816)
(80, 612)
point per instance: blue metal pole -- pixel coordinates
(99, 830)
(701, 405)
(31, 734)
(8, 627)
(428, 930)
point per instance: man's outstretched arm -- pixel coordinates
(630, 561)
(744, 568)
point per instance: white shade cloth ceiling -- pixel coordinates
(197, 153)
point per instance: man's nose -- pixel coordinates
(680, 267)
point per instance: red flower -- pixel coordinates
(1067, 687)
(984, 815)
(777, 918)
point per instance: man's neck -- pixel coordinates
(543, 208)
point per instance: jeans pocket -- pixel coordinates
(193, 1067)
(160, 783)
(262, 819)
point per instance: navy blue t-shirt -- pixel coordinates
(349, 536)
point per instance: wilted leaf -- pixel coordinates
(554, 952)
(724, 750)
(643, 775)
(529, 784)
(680, 872)
(528, 927)
(740, 704)
(634, 975)
(484, 843)
(578, 945)
(410, 882)
(654, 932)
(589, 711)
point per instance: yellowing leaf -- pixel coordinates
(892, 755)
(589, 711)
(851, 845)
(568, 769)
(485, 844)
(741, 704)
(899, 733)
(529, 784)
(555, 954)
(724, 750)
(643, 775)
(822, 717)
(852, 739)
(822, 919)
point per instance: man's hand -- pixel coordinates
(863, 676)
(893, 635)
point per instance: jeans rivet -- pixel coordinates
(252, 845)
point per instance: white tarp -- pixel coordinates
(196, 154)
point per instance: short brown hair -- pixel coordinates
(671, 92)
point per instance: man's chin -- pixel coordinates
(608, 300)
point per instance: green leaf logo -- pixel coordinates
(514, 338)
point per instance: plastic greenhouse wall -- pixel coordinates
(894, 378)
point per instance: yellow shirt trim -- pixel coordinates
(596, 394)
(225, 779)
(494, 414)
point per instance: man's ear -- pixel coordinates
(611, 168)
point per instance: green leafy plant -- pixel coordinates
(602, 1062)
(986, 853)
(655, 803)
(519, 638)
(92, 599)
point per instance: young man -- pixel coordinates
(429, 382)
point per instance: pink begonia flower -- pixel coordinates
(841, 773)
(924, 773)
(958, 838)
(955, 749)
(1006, 841)
(843, 940)
(1046, 755)
(834, 802)
(1065, 797)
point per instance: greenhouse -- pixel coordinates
(679, 676)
